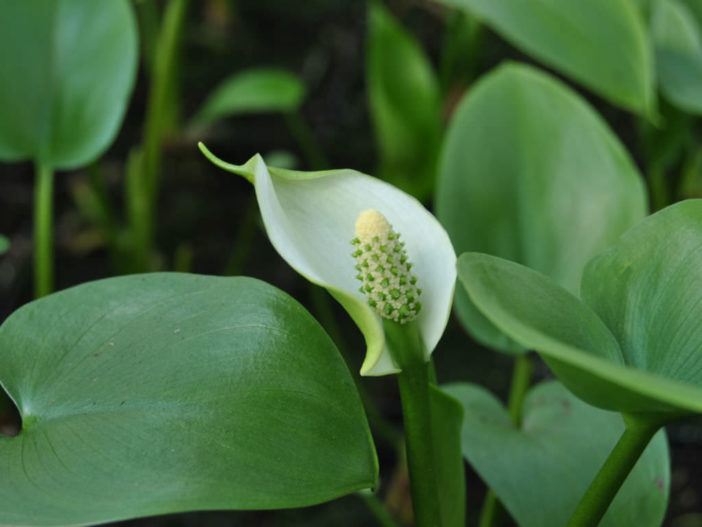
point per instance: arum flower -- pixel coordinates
(310, 218)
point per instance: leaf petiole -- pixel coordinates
(43, 227)
(408, 351)
(594, 504)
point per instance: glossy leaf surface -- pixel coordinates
(531, 173)
(65, 77)
(578, 38)
(635, 343)
(541, 469)
(150, 394)
(260, 90)
(405, 104)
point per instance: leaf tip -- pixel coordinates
(243, 171)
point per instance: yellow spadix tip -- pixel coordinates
(384, 269)
(371, 223)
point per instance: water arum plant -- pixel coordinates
(633, 344)
(166, 392)
(492, 178)
(310, 219)
(52, 116)
(498, 157)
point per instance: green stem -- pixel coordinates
(521, 380)
(138, 212)
(142, 190)
(148, 15)
(609, 479)
(491, 512)
(311, 150)
(164, 76)
(408, 351)
(380, 513)
(43, 235)
(460, 49)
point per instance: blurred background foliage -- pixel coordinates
(370, 86)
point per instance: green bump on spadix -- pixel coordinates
(384, 268)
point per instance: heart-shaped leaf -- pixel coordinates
(65, 77)
(635, 343)
(405, 104)
(255, 90)
(158, 393)
(541, 469)
(678, 43)
(531, 173)
(602, 44)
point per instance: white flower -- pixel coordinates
(310, 219)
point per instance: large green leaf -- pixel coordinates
(678, 42)
(404, 100)
(530, 172)
(602, 44)
(648, 290)
(635, 344)
(67, 70)
(541, 469)
(157, 393)
(257, 90)
(695, 7)
(446, 421)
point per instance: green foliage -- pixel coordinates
(143, 166)
(646, 289)
(633, 343)
(446, 421)
(602, 44)
(257, 90)
(67, 71)
(4, 244)
(158, 393)
(541, 469)
(405, 104)
(531, 173)
(678, 41)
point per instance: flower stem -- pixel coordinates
(609, 479)
(144, 170)
(43, 235)
(491, 512)
(377, 509)
(407, 347)
(521, 380)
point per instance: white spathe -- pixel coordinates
(310, 217)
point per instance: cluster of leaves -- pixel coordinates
(144, 394)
